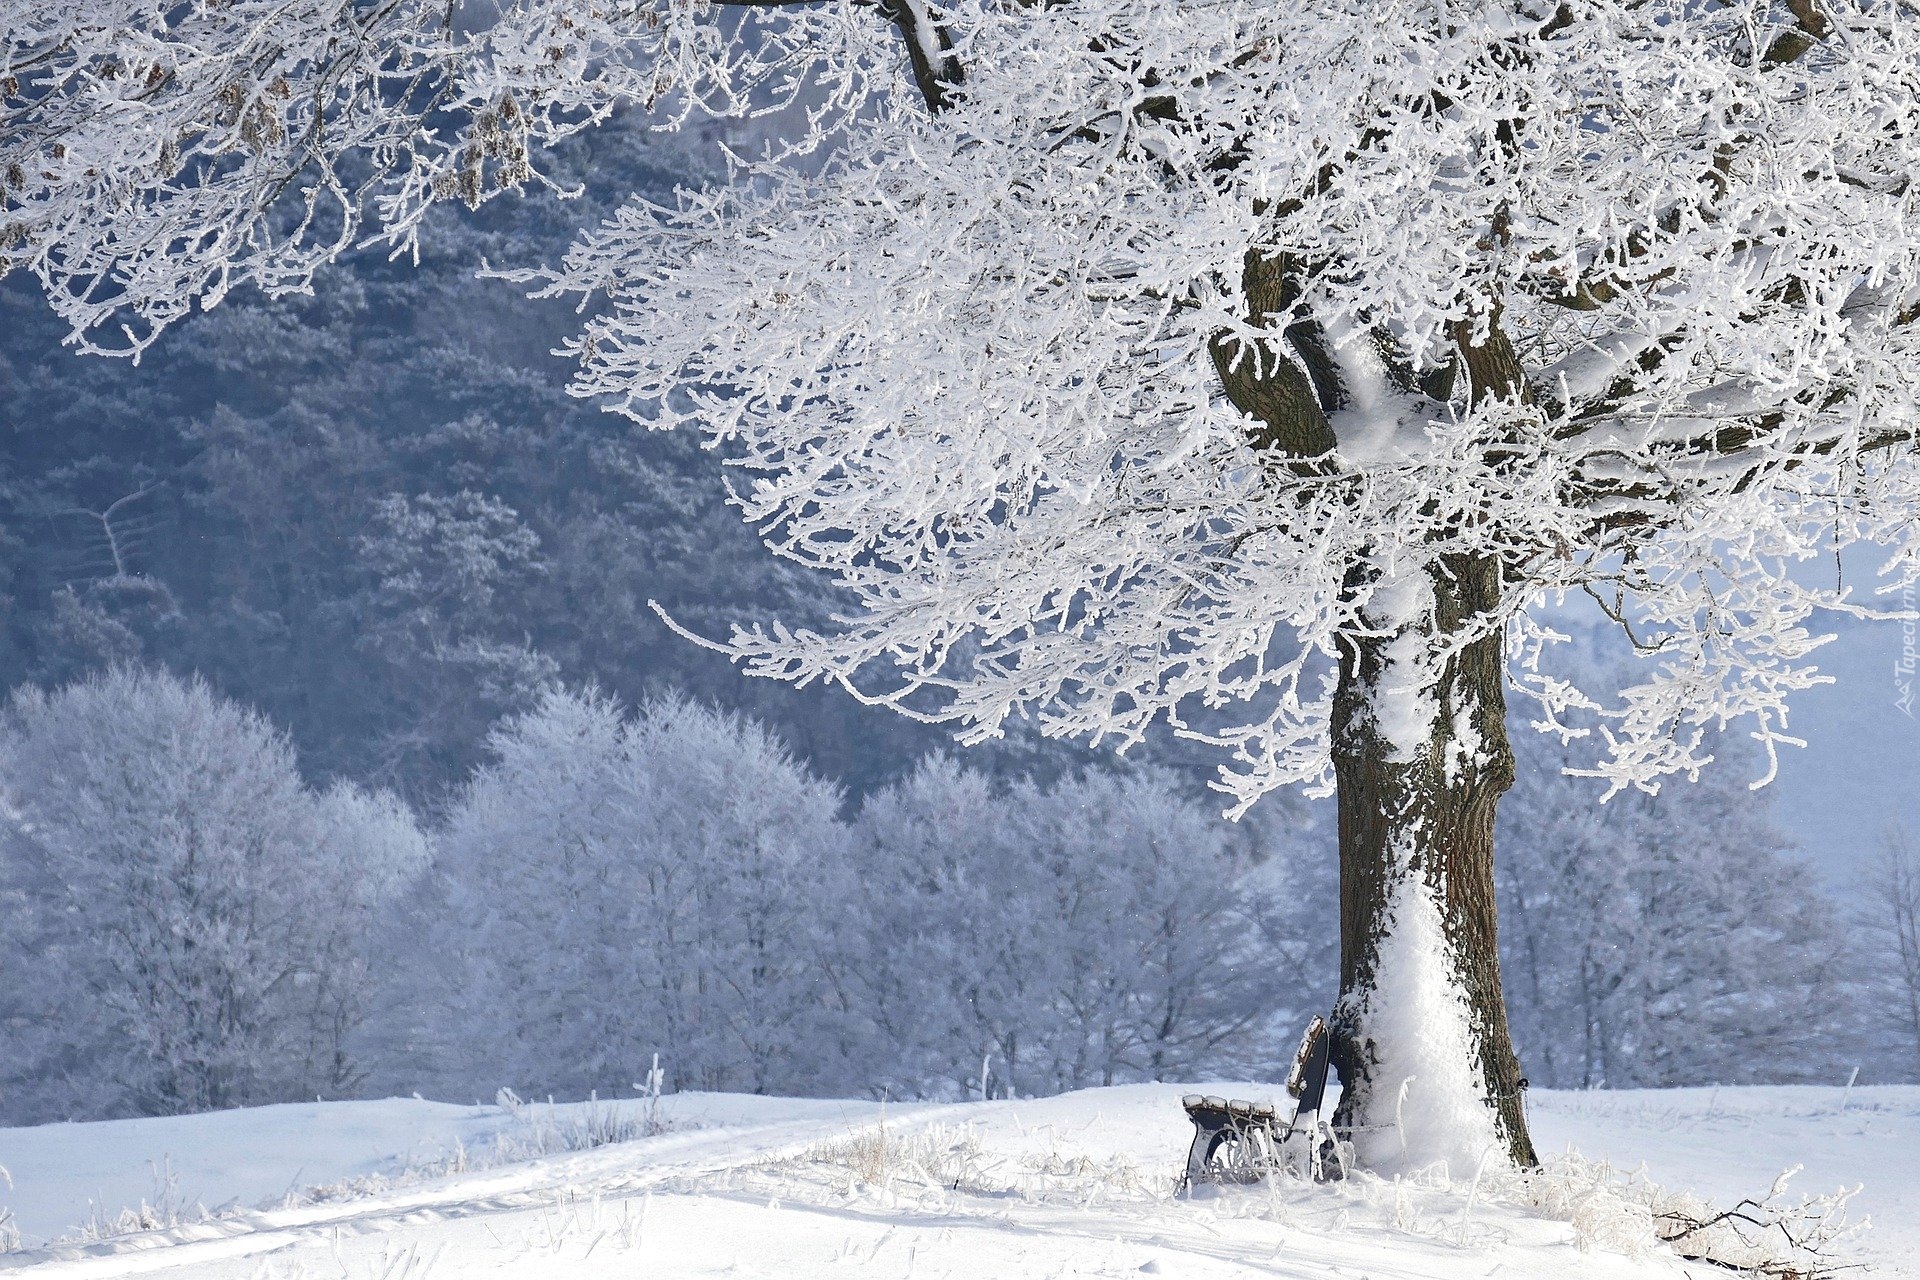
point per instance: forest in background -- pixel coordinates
(376, 515)
(373, 520)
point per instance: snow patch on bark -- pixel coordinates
(1404, 703)
(1429, 1103)
(1466, 750)
(1379, 427)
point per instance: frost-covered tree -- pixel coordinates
(1251, 369)
(618, 885)
(370, 855)
(1165, 973)
(440, 566)
(1019, 939)
(185, 922)
(936, 944)
(1892, 920)
(1655, 941)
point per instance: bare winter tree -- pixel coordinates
(1255, 370)
(616, 885)
(186, 926)
(1655, 941)
(1893, 889)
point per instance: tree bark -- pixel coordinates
(1426, 813)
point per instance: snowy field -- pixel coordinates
(1079, 1185)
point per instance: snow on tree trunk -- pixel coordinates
(1421, 756)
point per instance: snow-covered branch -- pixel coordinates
(154, 155)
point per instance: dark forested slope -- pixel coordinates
(376, 514)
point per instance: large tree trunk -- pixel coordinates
(1420, 1033)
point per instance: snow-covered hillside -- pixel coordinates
(1075, 1185)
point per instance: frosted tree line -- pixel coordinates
(670, 880)
(1638, 962)
(185, 924)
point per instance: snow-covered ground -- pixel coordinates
(1078, 1185)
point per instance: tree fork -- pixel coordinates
(1288, 400)
(1432, 816)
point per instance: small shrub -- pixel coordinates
(167, 1208)
(1115, 1174)
(544, 1132)
(9, 1230)
(1767, 1236)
